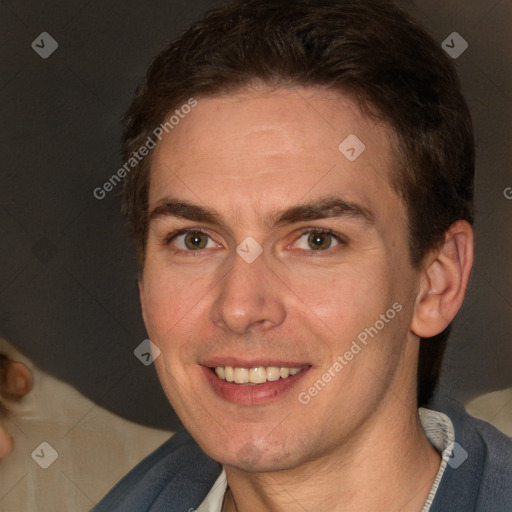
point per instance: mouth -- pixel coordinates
(253, 384)
(257, 375)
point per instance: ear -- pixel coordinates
(444, 281)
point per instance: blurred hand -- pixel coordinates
(18, 381)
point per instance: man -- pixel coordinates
(304, 235)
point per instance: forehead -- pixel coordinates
(245, 152)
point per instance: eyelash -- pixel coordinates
(338, 238)
(169, 238)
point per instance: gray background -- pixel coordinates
(68, 295)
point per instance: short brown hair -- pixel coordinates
(369, 49)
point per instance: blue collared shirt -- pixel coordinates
(179, 475)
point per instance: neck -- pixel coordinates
(389, 466)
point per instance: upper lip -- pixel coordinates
(250, 363)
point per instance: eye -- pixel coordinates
(318, 240)
(191, 240)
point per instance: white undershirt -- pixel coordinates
(438, 429)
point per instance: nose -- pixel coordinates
(250, 296)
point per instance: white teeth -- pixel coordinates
(228, 373)
(241, 375)
(273, 373)
(258, 375)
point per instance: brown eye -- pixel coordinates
(319, 241)
(195, 240)
(191, 241)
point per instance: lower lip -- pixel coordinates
(246, 394)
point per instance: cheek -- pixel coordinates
(175, 311)
(343, 297)
(351, 310)
(159, 308)
(169, 299)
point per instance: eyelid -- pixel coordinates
(183, 231)
(304, 231)
(175, 234)
(336, 236)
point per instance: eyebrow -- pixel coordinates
(322, 208)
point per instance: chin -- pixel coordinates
(254, 456)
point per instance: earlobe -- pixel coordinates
(444, 282)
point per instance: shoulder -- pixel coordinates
(497, 447)
(178, 473)
(479, 475)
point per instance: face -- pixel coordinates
(278, 258)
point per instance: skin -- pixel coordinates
(248, 156)
(18, 382)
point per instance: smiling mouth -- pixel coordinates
(255, 376)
